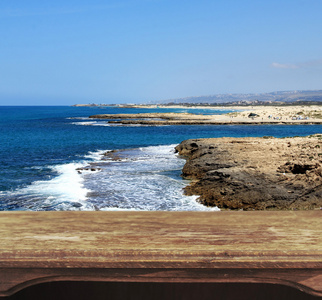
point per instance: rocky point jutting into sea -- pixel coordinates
(252, 115)
(255, 173)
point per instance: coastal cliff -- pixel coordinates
(255, 173)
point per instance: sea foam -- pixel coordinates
(141, 179)
(65, 191)
(146, 178)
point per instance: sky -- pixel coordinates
(64, 52)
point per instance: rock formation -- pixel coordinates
(255, 173)
(258, 116)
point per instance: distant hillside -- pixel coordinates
(274, 97)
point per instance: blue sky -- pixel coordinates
(65, 52)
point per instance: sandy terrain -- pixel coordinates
(241, 115)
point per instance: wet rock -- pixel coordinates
(88, 169)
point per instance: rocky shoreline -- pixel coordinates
(251, 116)
(255, 173)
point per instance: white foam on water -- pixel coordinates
(89, 123)
(95, 155)
(68, 184)
(107, 124)
(144, 179)
(63, 192)
(147, 178)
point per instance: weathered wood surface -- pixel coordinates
(281, 247)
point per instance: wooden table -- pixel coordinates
(277, 247)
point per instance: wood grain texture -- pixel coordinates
(282, 247)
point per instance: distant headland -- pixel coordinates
(306, 97)
(292, 107)
(252, 115)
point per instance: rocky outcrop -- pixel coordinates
(88, 169)
(255, 173)
(240, 118)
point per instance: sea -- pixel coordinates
(53, 158)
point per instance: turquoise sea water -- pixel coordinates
(41, 148)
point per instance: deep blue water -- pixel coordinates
(42, 145)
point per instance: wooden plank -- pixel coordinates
(282, 247)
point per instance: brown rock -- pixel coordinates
(255, 173)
